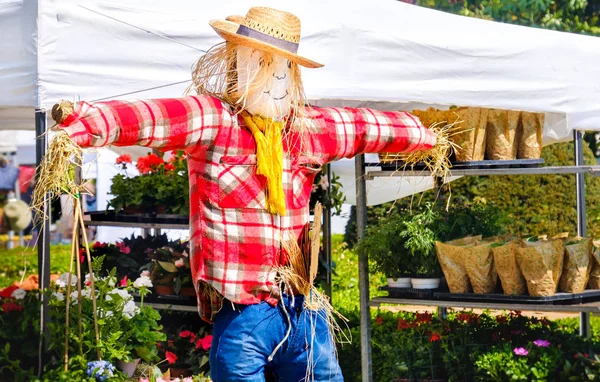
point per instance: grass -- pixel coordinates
(22, 262)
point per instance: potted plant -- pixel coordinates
(170, 269)
(384, 247)
(161, 186)
(418, 239)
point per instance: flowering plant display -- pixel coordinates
(162, 186)
(332, 199)
(189, 348)
(126, 331)
(171, 265)
(19, 328)
(129, 256)
(468, 346)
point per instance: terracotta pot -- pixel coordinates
(128, 368)
(164, 290)
(187, 291)
(177, 372)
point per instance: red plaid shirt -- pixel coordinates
(236, 243)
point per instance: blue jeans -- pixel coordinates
(244, 336)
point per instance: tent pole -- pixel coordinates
(363, 270)
(327, 237)
(584, 319)
(43, 239)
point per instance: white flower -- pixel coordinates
(121, 292)
(179, 263)
(130, 310)
(143, 281)
(86, 292)
(111, 281)
(59, 296)
(107, 313)
(108, 298)
(64, 278)
(323, 183)
(145, 273)
(19, 294)
(74, 296)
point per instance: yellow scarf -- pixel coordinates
(269, 158)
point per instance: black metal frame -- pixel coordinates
(361, 216)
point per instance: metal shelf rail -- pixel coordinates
(579, 169)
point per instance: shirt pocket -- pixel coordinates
(303, 176)
(239, 186)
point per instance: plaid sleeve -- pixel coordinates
(164, 124)
(346, 132)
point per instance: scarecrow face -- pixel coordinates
(265, 79)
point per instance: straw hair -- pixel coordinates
(276, 24)
(55, 177)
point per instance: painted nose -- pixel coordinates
(279, 78)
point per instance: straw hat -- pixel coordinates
(18, 215)
(266, 29)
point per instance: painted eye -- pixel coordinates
(289, 64)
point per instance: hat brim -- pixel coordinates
(18, 215)
(228, 30)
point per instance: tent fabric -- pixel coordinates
(383, 54)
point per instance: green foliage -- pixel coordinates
(15, 261)
(578, 16)
(332, 199)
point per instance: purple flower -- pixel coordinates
(541, 343)
(520, 351)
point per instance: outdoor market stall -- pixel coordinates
(382, 55)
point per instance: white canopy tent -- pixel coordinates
(381, 54)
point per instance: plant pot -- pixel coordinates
(176, 372)
(164, 290)
(187, 291)
(401, 282)
(425, 283)
(128, 368)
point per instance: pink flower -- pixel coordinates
(144, 379)
(123, 282)
(520, 351)
(186, 334)
(541, 343)
(123, 248)
(98, 245)
(179, 263)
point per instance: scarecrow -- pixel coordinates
(253, 149)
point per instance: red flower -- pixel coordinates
(123, 281)
(7, 292)
(379, 320)
(424, 318)
(122, 159)
(98, 245)
(10, 306)
(204, 343)
(186, 334)
(171, 357)
(169, 167)
(81, 255)
(403, 324)
(148, 163)
(502, 319)
(435, 337)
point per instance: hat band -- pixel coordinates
(279, 43)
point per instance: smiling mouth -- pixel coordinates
(277, 98)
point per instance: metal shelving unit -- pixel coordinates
(579, 169)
